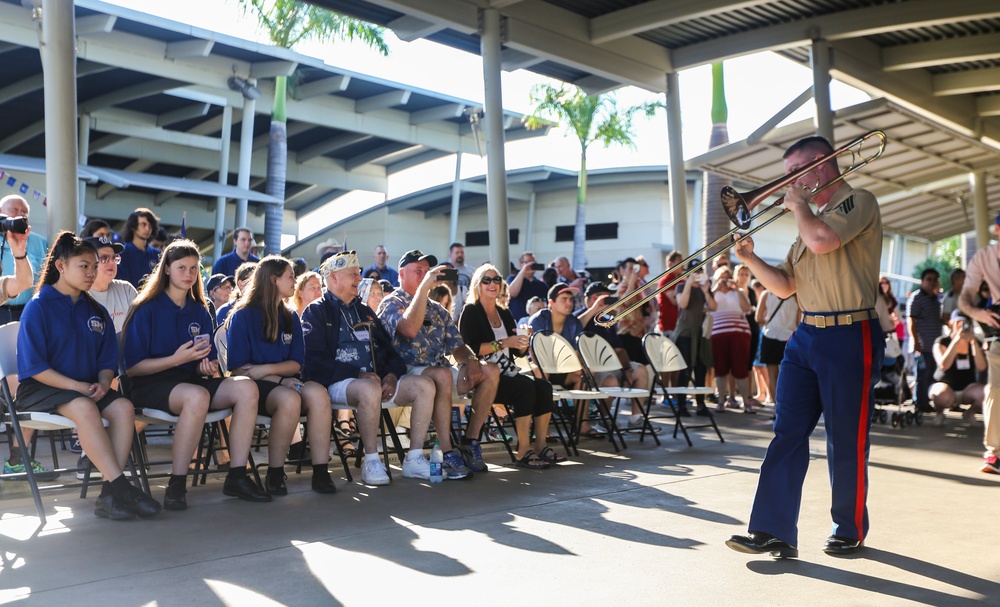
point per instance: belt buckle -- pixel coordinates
(820, 321)
(850, 319)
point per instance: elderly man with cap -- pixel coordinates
(425, 334)
(360, 367)
(219, 288)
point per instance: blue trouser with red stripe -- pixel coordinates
(833, 372)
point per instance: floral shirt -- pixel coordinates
(437, 338)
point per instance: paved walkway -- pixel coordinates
(645, 527)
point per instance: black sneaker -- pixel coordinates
(245, 489)
(322, 483)
(107, 507)
(275, 485)
(140, 503)
(175, 498)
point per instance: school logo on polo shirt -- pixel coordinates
(96, 324)
(194, 329)
(307, 328)
(286, 338)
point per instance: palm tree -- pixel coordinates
(716, 221)
(591, 118)
(288, 22)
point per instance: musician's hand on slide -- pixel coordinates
(743, 248)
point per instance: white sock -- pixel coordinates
(372, 457)
(414, 454)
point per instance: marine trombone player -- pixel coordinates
(832, 360)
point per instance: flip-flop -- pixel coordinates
(548, 454)
(532, 461)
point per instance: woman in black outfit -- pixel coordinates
(491, 333)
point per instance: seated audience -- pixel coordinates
(219, 288)
(490, 331)
(139, 258)
(67, 356)
(381, 257)
(96, 228)
(172, 365)
(349, 352)
(243, 244)
(243, 275)
(266, 344)
(442, 295)
(534, 305)
(308, 288)
(424, 333)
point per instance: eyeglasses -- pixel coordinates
(486, 280)
(106, 259)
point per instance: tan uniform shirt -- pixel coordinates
(985, 265)
(845, 279)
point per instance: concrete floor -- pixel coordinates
(645, 527)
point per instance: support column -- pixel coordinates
(977, 181)
(220, 202)
(695, 233)
(84, 153)
(456, 199)
(57, 45)
(819, 58)
(677, 174)
(496, 170)
(246, 154)
(529, 238)
(898, 252)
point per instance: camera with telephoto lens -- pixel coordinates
(17, 225)
(966, 325)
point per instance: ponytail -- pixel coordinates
(68, 245)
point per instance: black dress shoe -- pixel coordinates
(275, 485)
(758, 542)
(175, 498)
(323, 484)
(838, 545)
(140, 503)
(245, 489)
(107, 507)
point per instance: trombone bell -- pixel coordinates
(736, 207)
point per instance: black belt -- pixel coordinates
(834, 319)
(14, 307)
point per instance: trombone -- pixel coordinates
(739, 207)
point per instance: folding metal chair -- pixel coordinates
(599, 356)
(664, 357)
(29, 419)
(555, 356)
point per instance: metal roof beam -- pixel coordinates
(139, 166)
(837, 26)
(380, 153)
(597, 85)
(971, 81)
(409, 28)
(323, 86)
(442, 112)
(988, 106)
(186, 49)
(95, 24)
(415, 160)
(656, 14)
(271, 69)
(941, 52)
(104, 124)
(128, 93)
(330, 145)
(181, 114)
(166, 195)
(382, 102)
(512, 59)
(318, 202)
(32, 84)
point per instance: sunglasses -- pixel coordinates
(105, 259)
(495, 280)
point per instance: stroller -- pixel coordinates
(891, 389)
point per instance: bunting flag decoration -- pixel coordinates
(24, 188)
(35, 195)
(3, 174)
(11, 181)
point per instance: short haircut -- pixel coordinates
(956, 273)
(816, 144)
(453, 245)
(928, 271)
(236, 233)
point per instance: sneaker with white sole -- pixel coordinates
(417, 467)
(637, 425)
(81, 469)
(472, 457)
(991, 464)
(41, 472)
(453, 468)
(373, 472)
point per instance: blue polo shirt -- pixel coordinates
(386, 274)
(36, 251)
(136, 263)
(159, 327)
(227, 264)
(70, 338)
(542, 321)
(247, 345)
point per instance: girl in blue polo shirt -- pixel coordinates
(172, 366)
(266, 344)
(67, 355)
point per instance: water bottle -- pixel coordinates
(437, 461)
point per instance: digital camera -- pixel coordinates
(17, 225)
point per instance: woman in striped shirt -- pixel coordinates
(731, 341)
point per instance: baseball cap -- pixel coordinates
(217, 280)
(596, 288)
(559, 288)
(417, 255)
(99, 242)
